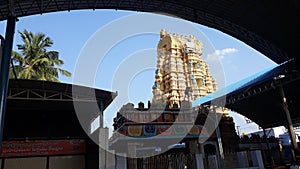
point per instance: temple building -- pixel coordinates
(181, 77)
(180, 67)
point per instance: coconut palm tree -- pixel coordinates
(35, 61)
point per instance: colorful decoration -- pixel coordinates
(164, 130)
(134, 130)
(149, 130)
(179, 129)
(194, 130)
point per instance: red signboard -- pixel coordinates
(41, 148)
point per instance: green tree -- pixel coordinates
(35, 61)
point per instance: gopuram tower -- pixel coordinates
(183, 75)
(181, 72)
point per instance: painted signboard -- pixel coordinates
(42, 147)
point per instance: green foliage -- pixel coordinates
(35, 61)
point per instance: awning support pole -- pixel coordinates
(289, 121)
(5, 65)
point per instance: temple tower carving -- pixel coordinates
(181, 72)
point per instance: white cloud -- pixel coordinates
(219, 55)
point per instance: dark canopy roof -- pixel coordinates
(45, 110)
(271, 27)
(45, 91)
(258, 97)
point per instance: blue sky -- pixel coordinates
(72, 31)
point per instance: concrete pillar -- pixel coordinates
(110, 160)
(199, 161)
(218, 133)
(103, 146)
(132, 155)
(121, 161)
(195, 148)
(257, 159)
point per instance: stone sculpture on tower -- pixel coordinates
(181, 74)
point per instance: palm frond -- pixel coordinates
(35, 61)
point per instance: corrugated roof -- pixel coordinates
(257, 97)
(221, 93)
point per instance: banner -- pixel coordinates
(41, 148)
